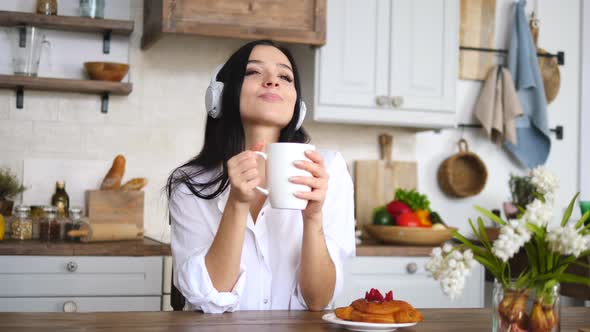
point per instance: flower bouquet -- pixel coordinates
(529, 302)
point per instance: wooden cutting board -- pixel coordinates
(478, 22)
(375, 181)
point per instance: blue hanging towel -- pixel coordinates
(532, 131)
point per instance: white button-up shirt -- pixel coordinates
(271, 251)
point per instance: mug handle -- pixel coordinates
(264, 191)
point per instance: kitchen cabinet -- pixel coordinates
(34, 283)
(386, 62)
(300, 21)
(408, 280)
(84, 277)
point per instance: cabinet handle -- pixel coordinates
(412, 268)
(382, 100)
(397, 101)
(72, 266)
(70, 306)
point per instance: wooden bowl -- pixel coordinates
(106, 71)
(419, 236)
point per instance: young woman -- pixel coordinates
(231, 249)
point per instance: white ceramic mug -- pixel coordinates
(279, 168)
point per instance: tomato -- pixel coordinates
(408, 219)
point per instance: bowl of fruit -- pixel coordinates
(409, 220)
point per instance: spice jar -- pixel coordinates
(37, 215)
(21, 228)
(46, 222)
(73, 223)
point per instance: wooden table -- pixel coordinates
(439, 320)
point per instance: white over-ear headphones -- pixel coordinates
(215, 91)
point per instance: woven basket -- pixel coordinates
(462, 174)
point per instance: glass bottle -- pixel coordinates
(37, 215)
(92, 8)
(21, 228)
(46, 7)
(73, 223)
(60, 199)
(44, 226)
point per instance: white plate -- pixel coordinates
(360, 326)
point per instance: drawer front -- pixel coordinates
(408, 280)
(79, 276)
(79, 304)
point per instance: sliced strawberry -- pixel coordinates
(389, 296)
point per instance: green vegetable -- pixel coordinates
(382, 217)
(436, 219)
(413, 199)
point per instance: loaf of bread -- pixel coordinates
(135, 184)
(113, 178)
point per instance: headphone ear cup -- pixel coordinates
(302, 113)
(213, 99)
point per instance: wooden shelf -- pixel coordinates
(102, 88)
(64, 85)
(66, 23)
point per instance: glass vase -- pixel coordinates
(527, 309)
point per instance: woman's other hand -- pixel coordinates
(244, 175)
(318, 182)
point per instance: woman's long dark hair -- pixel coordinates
(224, 136)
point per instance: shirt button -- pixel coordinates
(265, 301)
(262, 214)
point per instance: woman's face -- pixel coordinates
(268, 92)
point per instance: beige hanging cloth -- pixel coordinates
(498, 106)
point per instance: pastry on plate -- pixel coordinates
(376, 308)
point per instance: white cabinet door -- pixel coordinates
(353, 65)
(388, 62)
(80, 276)
(424, 54)
(408, 280)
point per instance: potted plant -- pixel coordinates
(9, 187)
(530, 301)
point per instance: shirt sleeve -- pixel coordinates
(338, 212)
(191, 238)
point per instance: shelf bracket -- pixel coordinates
(104, 105)
(22, 37)
(20, 97)
(106, 42)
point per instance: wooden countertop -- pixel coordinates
(376, 249)
(145, 247)
(439, 320)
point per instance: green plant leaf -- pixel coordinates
(577, 262)
(490, 215)
(583, 219)
(534, 229)
(568, 211)
(483, 235)
(567, 277)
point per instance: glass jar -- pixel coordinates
(92, 8)
(21, 228)
(46, 7)
(37, 215)
(526, 309)
(73, 223)
(45, 224)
